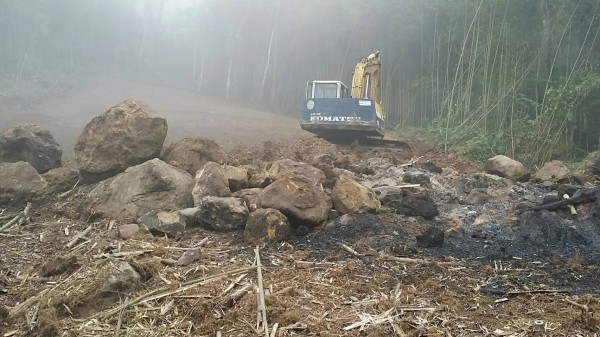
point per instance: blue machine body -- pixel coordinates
(341, 117)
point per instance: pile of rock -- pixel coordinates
(132, 178)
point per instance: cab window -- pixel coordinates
(326, 90)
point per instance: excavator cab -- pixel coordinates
(338, 114)
(326, 89)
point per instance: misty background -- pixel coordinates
(515, 77)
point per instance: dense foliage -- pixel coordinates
(518, 77)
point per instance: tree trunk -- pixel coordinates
(264, 78)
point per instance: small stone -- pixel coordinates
(188, 257)
(123, 280)
(170, 224)
(127, 231)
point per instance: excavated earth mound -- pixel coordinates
(452, 251)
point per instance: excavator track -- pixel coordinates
(396, 146)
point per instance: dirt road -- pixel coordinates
(188, 114)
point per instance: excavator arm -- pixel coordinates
(365, 79)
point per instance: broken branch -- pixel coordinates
(67, 193)
(122, 254)
(262, 307)
(22, 214)
(351, 251)
(79, 236)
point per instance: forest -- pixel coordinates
(514, 77)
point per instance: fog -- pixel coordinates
(258, 53)
(493, 66)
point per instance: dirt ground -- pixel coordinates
(188, 114)
(332, 282)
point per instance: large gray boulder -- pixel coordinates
(350, 197)
(210, 180)
(153, 185)
(250, 197)
(258, 176)
(298, 198)
(19, 181)
(506, 167)
(266, 225)
(553, 171)
(126, 135)
(191, 154)
(32, 144)
(287, 168)
(411, 202)
(237, 177)
(223, 214)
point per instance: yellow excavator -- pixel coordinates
(333, 112)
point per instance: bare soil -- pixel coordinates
(189, 114)
(314, 286)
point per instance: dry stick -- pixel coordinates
(409, 185)
(79, 236)
(202, 242)
(580, 306)
(236, 296)
(585, 311)
(387, 257)
(274, 331)
(66, 194)
(22, 214)
(122, 254)
(34, 316)
(536, 291)
(22, 307)
(166, 291)
(6, 217)
(35, 279)
(351, 251)
(232, 284)
(262, 307)
(120, 321)
(164, 310)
